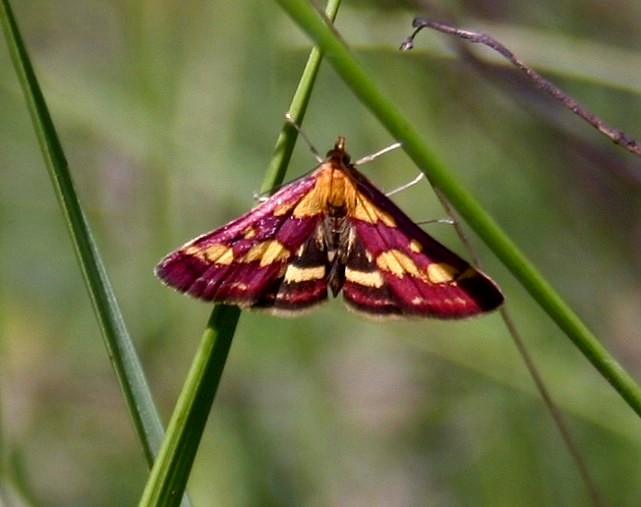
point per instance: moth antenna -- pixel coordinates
(292, 122)
(447, 221)
(407, 185)
(372, 156)
(260, 197)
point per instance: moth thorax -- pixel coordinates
(342, 192)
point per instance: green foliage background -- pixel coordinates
(168, 112)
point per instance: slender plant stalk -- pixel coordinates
(119, 346)
(171, 470)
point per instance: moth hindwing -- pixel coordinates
(332, 229)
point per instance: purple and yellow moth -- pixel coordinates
(331, 229)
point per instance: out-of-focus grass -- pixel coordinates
(168, 113)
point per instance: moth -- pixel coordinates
(332, 229)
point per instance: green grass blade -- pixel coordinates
(355, 77)
(171, 471)
(288, 135)
(117, 340)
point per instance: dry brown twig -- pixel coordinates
(617, 136)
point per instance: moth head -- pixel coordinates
(338, 153)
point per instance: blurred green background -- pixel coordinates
(168, 112)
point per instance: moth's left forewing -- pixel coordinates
(396, 269)
(251, 260)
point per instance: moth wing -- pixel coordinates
(246, 262)
(394, 268)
